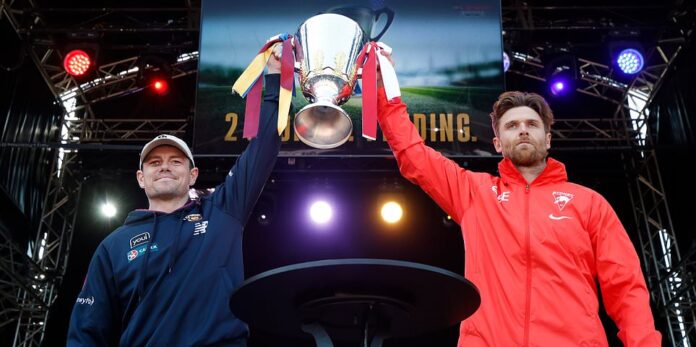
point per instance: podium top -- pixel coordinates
(401, 298)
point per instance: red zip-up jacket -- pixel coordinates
(533, 250)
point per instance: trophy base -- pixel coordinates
(323, 125)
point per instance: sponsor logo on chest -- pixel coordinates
(85, 301)
(139, 239)
(135, 253)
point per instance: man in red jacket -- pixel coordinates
(534, 243)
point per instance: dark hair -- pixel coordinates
(513, 99)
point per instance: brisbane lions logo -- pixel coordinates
(561, 199)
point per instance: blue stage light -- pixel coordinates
(506, 62)
(630, 61)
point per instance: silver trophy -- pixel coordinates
(329, 45)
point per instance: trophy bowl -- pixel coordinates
(329, 45)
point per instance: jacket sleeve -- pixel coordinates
(245, 181)
(441, 178)
(94, 320)
(621, 280)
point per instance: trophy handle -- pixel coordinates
(390, 17)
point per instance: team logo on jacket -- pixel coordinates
(561, 199)
(194, 217)
(139, 239)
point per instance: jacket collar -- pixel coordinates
(554, 172)
(140, 215)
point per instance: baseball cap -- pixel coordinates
(169, 140)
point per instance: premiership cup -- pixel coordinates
(329, 47)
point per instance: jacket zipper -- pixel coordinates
(527, 243)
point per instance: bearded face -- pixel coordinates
(522, 137)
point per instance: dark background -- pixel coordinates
(29, 114)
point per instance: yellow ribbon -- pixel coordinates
(252, 73)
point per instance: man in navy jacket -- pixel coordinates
(164, 278)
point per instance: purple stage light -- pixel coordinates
(558, 87)
(630, 61)
(320, 212)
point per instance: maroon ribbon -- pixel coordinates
(369, 92)
(253, 103)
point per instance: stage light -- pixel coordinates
(77, 62)
(108, 209)
(630, 61)
(558, 86)
(265, 209)
(625, 51)
(160, 85)
(392, 212)
(263, 219)
(506, 62)
(320, 212)
(561, 73)
(447, 221)
(155, 73)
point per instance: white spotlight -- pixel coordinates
(108, 209)
(392, 212)
(320, 212)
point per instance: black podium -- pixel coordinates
(365, 300)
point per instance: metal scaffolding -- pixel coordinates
(30, 278)
(670, 276)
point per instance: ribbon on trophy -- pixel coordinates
(368, 61)
(249, 84)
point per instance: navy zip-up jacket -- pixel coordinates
(165, 279)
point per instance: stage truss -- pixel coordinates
(31, 277)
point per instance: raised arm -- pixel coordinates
(441, 178)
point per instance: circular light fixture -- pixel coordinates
(558, 87)
(108, 209)
(321, 212)
(506, 62)
(77, 62)
(392, 212)
(160, 86)
(630, 61)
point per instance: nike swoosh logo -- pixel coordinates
(551, 216)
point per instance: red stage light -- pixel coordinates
(77, 62)
(160, 86)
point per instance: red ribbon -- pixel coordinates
(369, 93)
(287, 66)
(253, 102)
